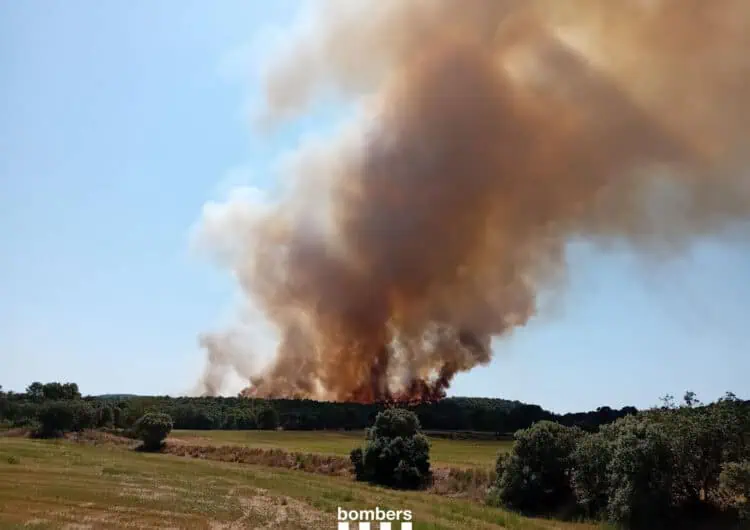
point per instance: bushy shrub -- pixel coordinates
(590, 479)
(396, 453)
(153, 428)
(106, 417)
(640, 473)
(493, 494)
(84, 416)
(358, 463)
(118, 418)
(536, 475)
(55, 419)
(735, 483)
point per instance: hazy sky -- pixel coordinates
(119, 120)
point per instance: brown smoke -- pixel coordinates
(494, 132)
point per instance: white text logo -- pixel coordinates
(375, 519)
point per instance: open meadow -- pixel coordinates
(62, 484)
(443, 452)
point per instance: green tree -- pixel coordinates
(267, 418)
(35, 391)
(153, 428)
(84, 415)
(690, 399)
(70, 391)
(396, 453)
(55, 418)
(702, 438)
(53, 391)
(589, 478)
(106, 416)
(536, 476)
(118, 417)
(641, 474)
(735, 483)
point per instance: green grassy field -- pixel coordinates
(446, 453)
(47, 484)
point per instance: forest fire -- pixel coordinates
(491, 133)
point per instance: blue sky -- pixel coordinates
(119, 120)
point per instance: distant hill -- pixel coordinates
(117, 396)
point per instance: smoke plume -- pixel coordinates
(491, 133)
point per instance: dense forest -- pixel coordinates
(487, 415)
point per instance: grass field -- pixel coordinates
(447, 453)
(46, 484)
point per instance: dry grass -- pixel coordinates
(63, 485)
(462, 483)
(102, 438)
(469, 483)
(464, 453)
(60, 484)
(310, 462)
(15, 432)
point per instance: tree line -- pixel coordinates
(667, 467)
(485, 415)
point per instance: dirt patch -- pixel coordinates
(274, 512)
(101, 438)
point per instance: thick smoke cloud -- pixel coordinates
(492, 132)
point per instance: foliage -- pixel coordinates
(640, 473)
(735, 484)
(536, 475)
(85, 416)
(52, 391)
(55, 418)
(396, 453)
(702, 438)
(358, 463)
(153, 429)
(489, 415)
(106, 417)
(590, 478)
(267, 418)
(240, 420)
(666, 465)
(35, 391)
